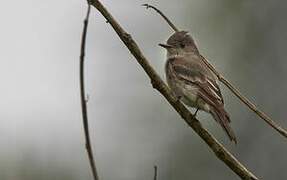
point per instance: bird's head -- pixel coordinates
(180, 42)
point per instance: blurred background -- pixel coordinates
(132, 126)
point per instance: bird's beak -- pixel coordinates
(166, 46)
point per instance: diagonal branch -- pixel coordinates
(223, 154)
(236, 92)
(83, 100)
(247, 102)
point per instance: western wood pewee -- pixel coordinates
(192, 81)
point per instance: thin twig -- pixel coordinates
(236, 92)
(83, 100)
(166, 19)
(247, 102)
(223, 154)
(155, 173)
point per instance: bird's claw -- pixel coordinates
(178, 98)
(193, 116)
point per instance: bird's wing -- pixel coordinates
(196, 75)
(214, 79)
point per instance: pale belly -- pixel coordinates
(188, 94)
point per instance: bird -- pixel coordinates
(192, 82)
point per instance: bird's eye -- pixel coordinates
(182, 45)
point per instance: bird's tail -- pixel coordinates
(222, 117)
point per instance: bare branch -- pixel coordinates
(83, 100)
(236, 92)
(247, 102)
(223, 154)
(164, 17)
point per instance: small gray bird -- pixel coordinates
(192, 81)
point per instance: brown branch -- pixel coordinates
(236, 92)
(248, 103)
(166, 19)
(223, 154)
(83, 100)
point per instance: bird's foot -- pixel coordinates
(194, 115)
(178, 98)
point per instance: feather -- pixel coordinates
(196, 75)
